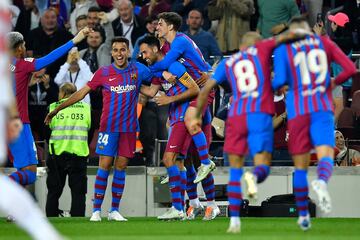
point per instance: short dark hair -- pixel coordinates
(79, 18)
(171, 18)
(150, 19)
(99, 29)
(94, 9)
(197, 10)
(151, 41)
(120, 40)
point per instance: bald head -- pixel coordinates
(299, 22)
(249, 39)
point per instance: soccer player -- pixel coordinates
(23, 148)
(184, 49)
(249, 75)
(178, 96)
(304, 67)
(118, 124)
(15, 200)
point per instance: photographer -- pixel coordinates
(75, 71)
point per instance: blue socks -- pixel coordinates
(100, 188)
(201, 146)
(301, 191)
(117, 189)
(234, 192)
(325, 168)
(174, 185)
(24, 178)
(261, 172)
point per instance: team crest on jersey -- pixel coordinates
(29, 59)
(134, 76)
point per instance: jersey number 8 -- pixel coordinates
(245, 74)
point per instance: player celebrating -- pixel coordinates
(177, 95)
(184, 49)
(304, 67)
(118, 125)
(249, 75)
(23, 148)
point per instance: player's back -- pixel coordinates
(306, 70)
(249, 75)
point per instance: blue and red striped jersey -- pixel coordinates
(304, 66)
(120, 89)
(21, 74)
(187, 52)
(177, 110)
(248, 72)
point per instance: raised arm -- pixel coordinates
(60, 51)
(175, 52)
(74, 98)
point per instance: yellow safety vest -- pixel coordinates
(69, 129)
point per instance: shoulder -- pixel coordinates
(177, 68)
(140, 66)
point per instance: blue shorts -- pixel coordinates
(23, 149)
(115, 144)
(307, 131)
(252, 131)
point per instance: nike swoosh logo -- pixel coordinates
(111, 79)
(172, 146)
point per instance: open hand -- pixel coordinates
(162, 99)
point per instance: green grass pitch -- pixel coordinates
(150, 228)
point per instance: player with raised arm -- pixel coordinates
(178, 95)
(23, 148)
(248, 73)
(15, 200)
(182, 48)
(120, 84)
(304, 66)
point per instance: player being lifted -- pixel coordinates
(304, 67)
(178, 96)
(248, 73)
(120, 84)
(184, 49)
(23, 148)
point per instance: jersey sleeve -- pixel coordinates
(266, 47)
(335, 54)
(96, 80)
(177, 69)
(280, 67)
(177, 48)
(220, 72)
(144, 72)
(28, 65)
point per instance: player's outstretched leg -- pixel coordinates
(17, 202)
(175, 212)
(212, 210)
(99, 193)
(117, 190)
(301, 192)
(235, 199)
(324, 171)
(195, 207)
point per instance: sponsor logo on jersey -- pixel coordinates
(29, 59)
(121, 89)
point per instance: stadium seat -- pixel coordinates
(355, 104)
(346, 118)
(355, 83)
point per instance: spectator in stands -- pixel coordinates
(274, 15)
(42, 92)
(42, 40)
(75, 71)
(313, 8)
(234, 21)
(81, 8)
(150, 24)
(92, 17)
(183, 7)
(14, 13)
(338, 102)
(345, 156)
(128, 24)
(154, 7)
(281, 156)
(203, 39)
(69, 150)
(28, 19)
(105, 5)
(81, 22)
